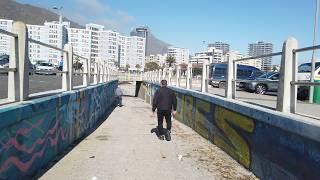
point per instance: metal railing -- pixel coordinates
(287, 86)
(18, 71)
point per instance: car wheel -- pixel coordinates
(222, 85)
(261, 89)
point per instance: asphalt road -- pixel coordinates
(38, 83)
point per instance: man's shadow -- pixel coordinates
(156, 131)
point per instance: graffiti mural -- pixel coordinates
(33, 134)
(269, 151)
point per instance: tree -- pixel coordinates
(150, 66)
(138, 66)
(170, 60)
(77, 65)
(127, 67)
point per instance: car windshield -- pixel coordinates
(4, 61)
(46, 64)
(266, 75)
(307, 67)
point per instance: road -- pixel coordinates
(124, 148)
(38, 83)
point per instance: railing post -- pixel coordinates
(104, 73)
(108, 73)
(18, 81)
(164, 73)
(67, 83)
(159, 75)
(228, 87)
(95, 75)
(100, 72)
(234, 80)
(169, 76)
(189, 76)
(285, 99)
(204, 84)
(178, 76)
(85, 75)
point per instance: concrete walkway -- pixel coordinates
(123, 148)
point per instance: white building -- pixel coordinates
(80, 40)
(109, 46)
(180, 54)
(234, 55)
(38, 52)
(58, 37)
(5, 40)
(95, 41)
(261, 48)
(211, 55)
(135, 52)
(159, 59)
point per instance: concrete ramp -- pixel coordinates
(124, 148)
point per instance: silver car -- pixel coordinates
(267, 82)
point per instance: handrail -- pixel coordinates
(257, 57)
(306, 49)
(46, 45)
(2, 31)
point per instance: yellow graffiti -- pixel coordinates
(187, 111)
(202, 107)
(236, 146)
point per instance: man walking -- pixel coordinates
(164, 101)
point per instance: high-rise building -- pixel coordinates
(225, 47)
(58, 37)
(135, 52)
(95, 41)
(180, 54)
(80, 40)
(5, 40)
(142, 31)
(38, 52)
(109, 46)
(261, 48)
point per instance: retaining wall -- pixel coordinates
(34, 133)
(271, 144)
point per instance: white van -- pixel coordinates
(304, 73)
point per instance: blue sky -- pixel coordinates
(189, 23)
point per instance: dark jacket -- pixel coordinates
(164, 99)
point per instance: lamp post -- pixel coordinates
(59, 12)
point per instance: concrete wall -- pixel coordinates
(271, 144)
(35, 132)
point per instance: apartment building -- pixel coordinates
(135, 52)
(109, 46)
(5, 40)
(180, 54)
(38, 52)
(80, 40)
(225, 47)
(261, 48)
(211, 55)
(95, 41)
(158, 58)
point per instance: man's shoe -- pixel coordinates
(161, 137)
(168, 135)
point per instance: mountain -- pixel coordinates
(153, 44)
(10, 9)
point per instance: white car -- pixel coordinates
(45, 68)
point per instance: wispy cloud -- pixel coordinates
(96, 11)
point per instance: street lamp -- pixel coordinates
(59, 12)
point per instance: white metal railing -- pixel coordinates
(287, 88)
(18, 71)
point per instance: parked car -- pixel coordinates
(218, 73)
(304, 74)
(45, 68)
(267, 82)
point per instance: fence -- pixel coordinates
(287, 90)
(18, 71)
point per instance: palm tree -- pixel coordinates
(138, 66)
(170, 60)
(127, 67)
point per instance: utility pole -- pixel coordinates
(313, 63)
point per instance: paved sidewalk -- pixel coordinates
(123, 148)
